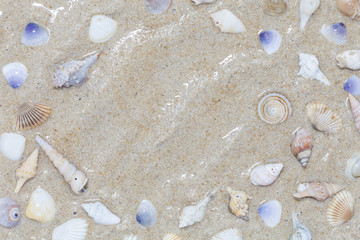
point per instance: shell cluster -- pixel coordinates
(274, 108)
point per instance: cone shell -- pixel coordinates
(301, 146)
(349, 8)
(31, 115)
(274, 7)
(74, 229)
(27, 170)
(238, 203)
(264, 175)
(355, 109)
(171, 236)
(228, 234)
(323, 118)
(318, 190)
(341, 208)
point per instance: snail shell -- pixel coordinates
(353, 167)
(318, 190)
(27, 170)
(274, 108)
(264, 175)
(238, 203)
(9, 212)
(349, 8)
(302, 145)
(300, 232)
(274, 7)
(355, 108)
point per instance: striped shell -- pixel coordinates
(323, 118)
(73, 229)
(228, 234)
(27, 170)
(274, 108)
(31, 115)
(341, 208)
(302, 145)
(355, 108)
(171, 236)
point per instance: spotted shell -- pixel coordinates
(274, 108)
(341, 208)
(323, 118)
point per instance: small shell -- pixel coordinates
(307, 8)
(309, 68)
(198, 2)
(341, 208)
(274, 7)
(352, 169)
(349, 59)
(102, 28)
(100, 213)
(300, 232)
(274, 108)
(157, 6)
(73, 229)
(318, 190)
(265, 175)
(15, 74)
(352, 85)
(238, 203)
(270, 213)
(41, 206)
(349, 8)
(355, 109)
(12, 145)
(270, 40)
(323, 118)
(302, 145)
(227, 22)
(10, 214)
(146, 214)
(171, 236)
(31, 115)
(228, 234)
(335, 33)
(27, 170)
(35, 35)
(130, 237)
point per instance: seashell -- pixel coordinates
(270, 40)
(341, 208)
(274, 108)
(41, 206)
(274, 7)
(74, 73)
(352, 169)
(146, 214)
(238, 203)
(130, 237)
(198, 2)
(307, 8)
(228, 234)
(302, 145)
(355, 109)
(10, 214)
(195, 213)
(72, 175)
(34, 35)
(227, 22)
(157, 6)
(270, 213)
(309, 68)
(31, 115)
(12, 145)
(171, 236)
(323, 118)
(300, 232)
(349, 59)
(100, 213)
(265, 175)
(335, 33)
(102, 28)
(318, 190)
(15, 74)
(349, 8)
(73, 229)
(352, 85)
(27, 170)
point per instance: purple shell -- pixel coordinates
(15, 74)
(335, 33)
(157, 6)
(270, 40)
(9, 212)
(352, 85)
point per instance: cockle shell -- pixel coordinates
(349, 59)
(352, 169)
(100, 213)
(171, 236)
(74, 73)
(349, 8)
(355, 109)
(307, 8)
(309, 68)
(228, 234)
(15, 74)
(335, 33)
(198, 2)
(238, 203)
(73, 229)
(302, 145)
(35, 35)
(72, 175)
(102, 28)
(323, 118)
(300, 232)
(352, 85)
(270, 213)
(12, 145)
(265, 175)
(195, 213)
(341, 208)
(318, 190)
(274, 108)
(227, 22)
(10, 214)
(270, 40)
(31, 115)
(274, 7)
(157, 6)
(41, 206)
(27, 170)
(146, 214)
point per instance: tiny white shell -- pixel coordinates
(265, 175)
(309, 68)
(227, 22)
(198, 2)
(12, 145)
(228, 234)
(270, 213)
(307, 8)
(41, 206)
(102, 28)
(349, 59)
(73, 229)
(100, 213)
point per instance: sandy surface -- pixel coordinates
(168, 113)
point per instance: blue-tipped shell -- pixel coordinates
(270, 40)
(335, 33)
(352, 85)
(15, 74)
(9, 212)
(34, 35)
(146, 214)
(270, 213)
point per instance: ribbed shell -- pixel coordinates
(341, 208)
(274, 108)
(31, 115)
(228, 234)
(274, 7)
(171, 236)
(355, 109)
(323, 118)
(302, 145)
(27, 170)
(238, 204)
(318, 190)
(74, 229)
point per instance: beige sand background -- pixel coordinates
(168, 113)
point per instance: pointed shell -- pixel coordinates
(228, 234)
(318, 190)
(274, 108)
(171, 236)
(274, 7)
(27, 170)
(227, 22)
(307, 8)
(302, 145)
(270, 213)
(31, 115)
(10, 214)
(309, 68)
(100, 213)
(300, 232)
(349, 59)
(265, 175)
(146, 214)
(323, 118)
(349, 8)
(355, 109)
(41, 206)
(341, 208)
(352, 169)
(73, 229)
(238, 203)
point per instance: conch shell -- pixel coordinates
(301, 146)
(238, 203)
(318, 190)
(72, 175)
(27, 170)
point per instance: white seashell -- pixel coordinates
(335, 33)
(157, 6)
(12, 145)
(274, 108)
(15, 74)
(309, 68)
(341, 208)
(228, 234)
(349, 59)
(193, 214)
(100, 213)
(27, 170)
(318, 190)
(171, 236)
(265, 175)
(302, 145)
(198, 2)
(352, 169)
(73, 229)
(274, 7)
(355, 109)
(146, 214)
(307, 8)
(270, 40)
(102, 28)
(227, 22)
(300, 232)
(130, 237)
(41, 206)
(349, 8)
(270, 213)
(323, 118)
(31, 115)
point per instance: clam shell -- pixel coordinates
(309, 68)
(352, 169)
(349, 8)
(27, 170)
(31, 115)
(274, 108)
(35, 35)
(302, 145)
(307, 8)
(270, 40)
(355, 109)
(265, 175)
(238, 203)
(146, 214)
(318, 190)
(41, 206)
(228, 234)
(12, 145)
(227, 22)
(352, 85)
(270, 213)
(157, 6)
(100, 213)
(341, 208)
(15, 74)
(349, 59)
(300, 232)
(274, 7)
(10, 214)
(335, 33)
(102, 28)
(73, 229)
(171, 236)
(323, 118)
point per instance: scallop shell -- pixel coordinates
(227, 22)
(274, 7)
(270, 213)
(73, 229)
(355, 109)
(157, 6)
(349, 8)
(171, 236)
(352, 85)
(10, 214)
(323, 118)
(300, 232)
(198, 2)
(265, 175)
(238, 203)
(146, 214)
(274, 108)
(341, 208)
(12, 145)
(335, 33)
(307, 8)
(27, 170)
(270, 40)
(35, 35)
(302, 145)
(349, 59)
(100, 213)
(41, 206)
(15, 74)
(352, 169)
(309, 68)
(318, 190)
(31, 115)
(228, 234)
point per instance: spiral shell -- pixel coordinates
(274, 7)
(318, 190)
(300, 232)
(27, 170)
(323, 118)
(9, 212)
(238, 203)
(341, 208)
(302, 145)
(355, 108)
(264, 175)
(274, 108)
(353, 166)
